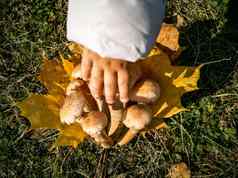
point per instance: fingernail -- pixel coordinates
(124, 100)
(110, 102)
(124, 104)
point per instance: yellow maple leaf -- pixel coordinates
(71, 135)
(43, 110)
(174, 81)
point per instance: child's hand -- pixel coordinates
(106, 76)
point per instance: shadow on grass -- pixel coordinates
(218, 48)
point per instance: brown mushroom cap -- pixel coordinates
(72, 107)
(145, 91)
(94, 123)
(74, 85)
(137, 117)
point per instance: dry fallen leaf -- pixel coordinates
(179, 170)
(174, 81)
(168, 40)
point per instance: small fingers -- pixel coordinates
(123, 81)
(96, 82)
(110, 86)
(86, 67)
(135, 73)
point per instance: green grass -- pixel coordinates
(206, 138)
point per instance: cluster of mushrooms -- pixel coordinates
(105, 123)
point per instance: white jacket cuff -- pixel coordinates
(122, 29)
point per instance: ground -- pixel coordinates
(205, 138)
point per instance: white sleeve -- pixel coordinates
(122, 29)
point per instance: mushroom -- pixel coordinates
(72, 108)
(74, 86)
(94, 125)
(136, 119)
(76, 102)
(116, 112)
(117, 109)
(146, 91)
(77, 75)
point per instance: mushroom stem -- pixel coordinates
(116, 113)
(104, 140)
(130, 134)
(94, 125)
(136, 119)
